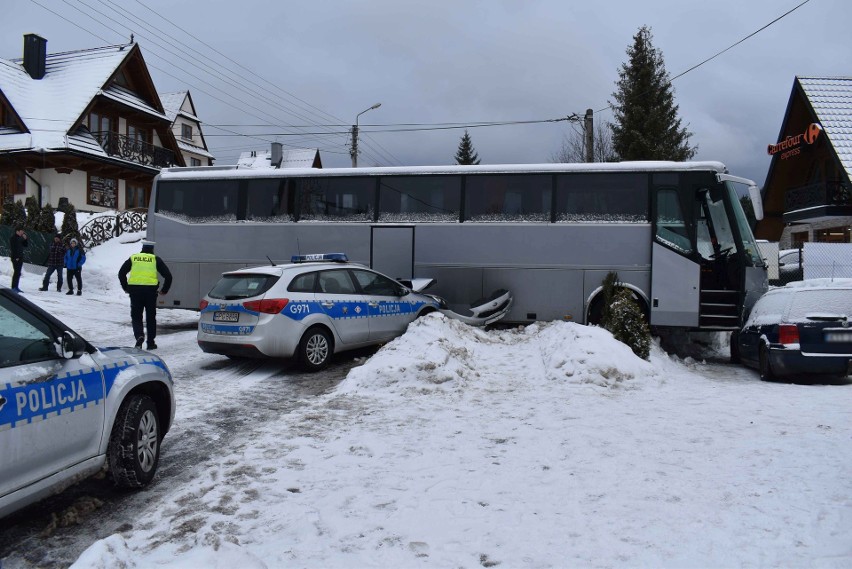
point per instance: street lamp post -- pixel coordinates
(354, 151)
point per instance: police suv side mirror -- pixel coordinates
(73, 346)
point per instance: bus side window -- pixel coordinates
(671, 225)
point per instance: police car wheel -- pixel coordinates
(134, 444)
(315, 349)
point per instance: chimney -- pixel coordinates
(35, 53)
(277, 154)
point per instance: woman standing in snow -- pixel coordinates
(74, 260)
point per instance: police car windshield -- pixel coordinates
(235, 287)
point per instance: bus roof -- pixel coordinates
(235, 172)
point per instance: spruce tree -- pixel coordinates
(46, 220)
(646, 124)
(69, 224)
(7, 218)
(466, 154)
(19, 214)
(33, 211)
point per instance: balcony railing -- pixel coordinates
(818, 194)
(135, 150)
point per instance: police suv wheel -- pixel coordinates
(134, 444)
(315, 349)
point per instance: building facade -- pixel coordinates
(186, 128)
(86, 126)
(807, 195)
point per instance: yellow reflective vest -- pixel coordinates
(143, 269)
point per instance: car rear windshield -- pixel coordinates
(235, 287)
(816, 302)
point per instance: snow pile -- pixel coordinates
(438, 354)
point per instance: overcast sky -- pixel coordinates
(320, 63)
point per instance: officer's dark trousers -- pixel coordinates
(143, 298)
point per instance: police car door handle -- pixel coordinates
(373, 304)
(327, 303)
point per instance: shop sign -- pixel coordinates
(792, 145)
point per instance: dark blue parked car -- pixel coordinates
(804, 329)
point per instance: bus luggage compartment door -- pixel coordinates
(675, 282)
(392, 250)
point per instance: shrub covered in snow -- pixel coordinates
(627, 324)
(624, 318)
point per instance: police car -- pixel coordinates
(309, 309)
(67, 409)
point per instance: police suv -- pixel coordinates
(67, 409)
(309, 309)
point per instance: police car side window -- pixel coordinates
(376, 284)
(303, 283)
(23, 337)
(336, 282)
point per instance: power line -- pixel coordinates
(733, 45)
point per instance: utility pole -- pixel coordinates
(589, 131)
(354, 150)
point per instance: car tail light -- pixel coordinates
(267, 305)
(788, 334)
(203, 304)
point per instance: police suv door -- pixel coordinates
(389, 313)
(344, 306)
(51, 408)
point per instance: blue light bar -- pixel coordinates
(320, 257)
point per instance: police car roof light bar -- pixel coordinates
(320, 257)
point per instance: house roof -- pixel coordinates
(291, 158)
(51, 106)
(831, 100)
(173, 105)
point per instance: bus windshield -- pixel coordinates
(747, 237)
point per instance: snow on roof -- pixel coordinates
(245, 172)
(51, 105)
(831, 99)
(291, 158)
(186, 147)
(131, 99)
(172, 103)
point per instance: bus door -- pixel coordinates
(675, 276)
(392, 250)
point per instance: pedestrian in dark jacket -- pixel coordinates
(55, 262)
(142, 287)
(16, 245)
(74, 260)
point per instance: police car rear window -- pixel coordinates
(303, 283)
(235, 287)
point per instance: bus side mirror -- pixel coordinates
(756, 202)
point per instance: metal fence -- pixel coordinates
(815, 261)
(95, 232)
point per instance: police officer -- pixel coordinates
(142, 287)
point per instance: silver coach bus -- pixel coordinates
(674, 232)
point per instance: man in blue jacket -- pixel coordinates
(74, 260)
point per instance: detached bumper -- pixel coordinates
(484, 311)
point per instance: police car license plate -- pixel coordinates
(226, 316)
(838, 336)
